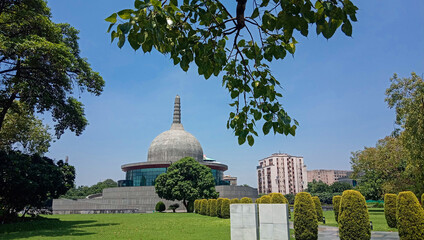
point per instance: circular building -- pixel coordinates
(167, 148)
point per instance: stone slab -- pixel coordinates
(244, 221)
(274, 222)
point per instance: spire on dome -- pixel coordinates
(177, 110)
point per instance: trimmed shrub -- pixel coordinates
(203, 206)
(160, 206)
(218, 206)
(410, 216)
(390, 209)
(318, 208)
(305, 217)
(422, 200)
(212, 211)
(208, 208)
(278, 198)
(336, 206)
(196, 206)
(225, 208)
(246, 200)
(258, 200)
(354, 221)
(265, 199)
(234, 200)
(173, 207)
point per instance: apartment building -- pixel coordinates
(281, 173)
(328, 176)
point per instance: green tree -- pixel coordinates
(84, 191)
(204, 33)
(23, 131)
(29, 180)
(318, 187)
(40, 65)
(339, 187)
(382, 169)
(406, 95)
(186, 180)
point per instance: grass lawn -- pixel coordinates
(376, 216)
(167, 226)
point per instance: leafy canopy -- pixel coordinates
(40, 65)
(241, 45)
(186, 180)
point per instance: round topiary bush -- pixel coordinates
(258, 200)
(410, 216)
(318, 208)
(305, 217)
(336, 206)
(203, 206)
(208, 208)
(196, 206)
(225, 208)
(354, 221)
(390, 209)
(265, 199)
(218, 206)
(212, 211)
(160, 206)
(246, 200)
(278, 198)
(234, 200)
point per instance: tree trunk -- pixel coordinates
(6, 107)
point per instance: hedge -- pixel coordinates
(218, 206)
(354, 221)
(336, 206)
(225, 208)
(410, 216)
(422, 200)
(234, 200)
(318, 208)
(305, 217)
(208, 209)
(196, 206)
(390, 209)
(212, 211)
(160, 206)
(278, 198)
(265, 199)
(246, 200)
(258, 200)
(203, 206)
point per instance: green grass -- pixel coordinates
(376, 216)
(120, 226)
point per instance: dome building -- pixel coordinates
(167, 148)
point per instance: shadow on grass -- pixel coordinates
(49, 227)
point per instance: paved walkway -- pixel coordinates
(332, 233)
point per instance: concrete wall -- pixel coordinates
(135, 199)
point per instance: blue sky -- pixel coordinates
(334, 88)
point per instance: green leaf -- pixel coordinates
(255, 13)
(111, 18)
(125, 14)
(241, 140)
(347, 28)
(250, 140)
(266, 127)
(125, 27)
(121, 40)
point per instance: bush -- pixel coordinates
(336, 206)
(258, 200)
(234, 200)
(410, 216)
(197, 206)
(212, 207)
(218, 206)
(160, 206)
(277, 198)
(422, 200)
(173, 207)
(290, 198)
(265, 199)
(390, 209)
(225, 208)
(203, 206)
(208, 207)
(305, 217)
(318, 208)
(246, 200)
(354, 221)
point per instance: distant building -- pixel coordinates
(328, 176)
(232, 180)
(281, 173)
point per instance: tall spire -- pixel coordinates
(177, 110)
